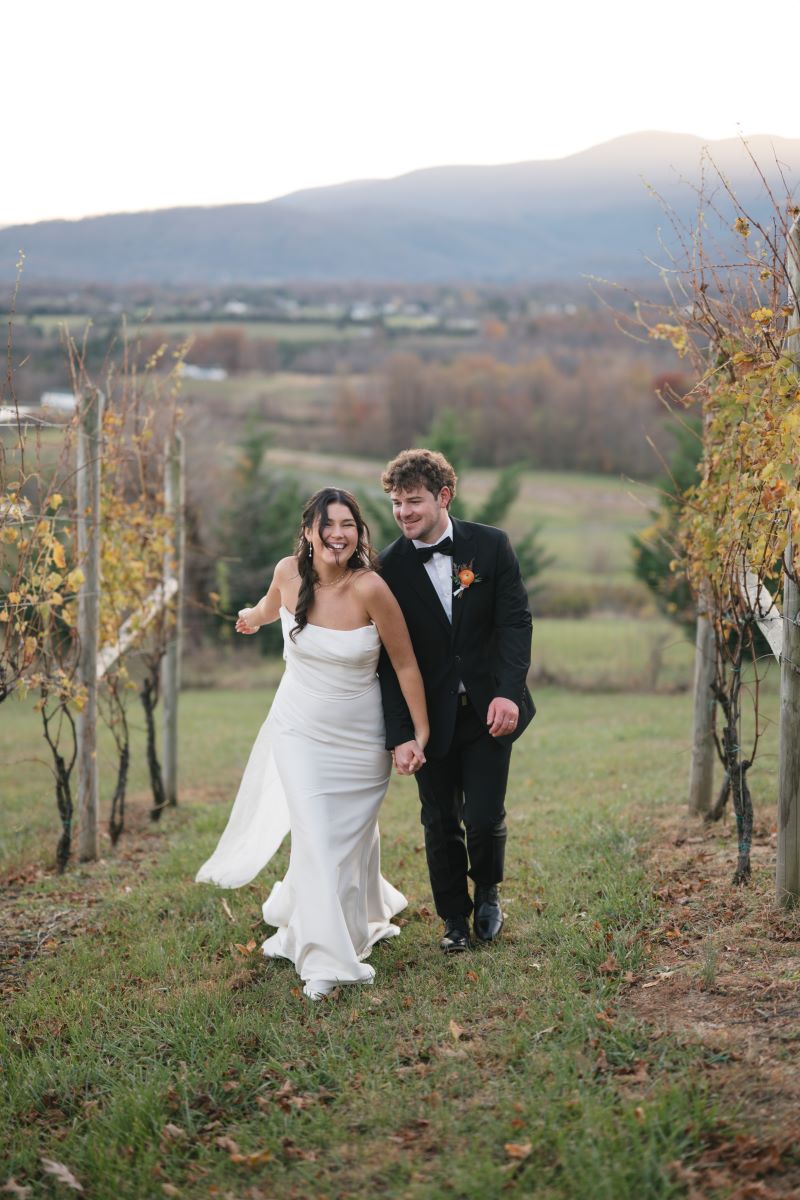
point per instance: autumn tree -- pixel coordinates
(739, 517)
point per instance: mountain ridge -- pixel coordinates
(546, 219)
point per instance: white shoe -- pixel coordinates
(317, 989)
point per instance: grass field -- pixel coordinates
(151, 1057)
(592, 655)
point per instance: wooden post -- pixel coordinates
(701, 773)
(787, 874)
(174, 499)
(88, 487)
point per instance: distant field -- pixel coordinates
(52, 322)
(288, 390)
(278, 331)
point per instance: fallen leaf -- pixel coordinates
(173, 1133)
(61, 1173)
(248, 949)
(456, 1030)
(228, 912)
(638, 1113)
(227, 1143)
(15, 1189)
(518, 1150)
(472, 977)
(609, 967)
(169, 1189)
(252, 1160)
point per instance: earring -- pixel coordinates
(310, 550)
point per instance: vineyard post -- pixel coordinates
(701, 773)
(174, 498)
(88, 523)
(787, 876)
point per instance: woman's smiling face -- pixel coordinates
(334, 539)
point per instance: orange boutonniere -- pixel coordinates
(464, 575)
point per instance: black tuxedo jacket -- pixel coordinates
(487, 647)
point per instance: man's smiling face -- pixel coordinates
(420, 514)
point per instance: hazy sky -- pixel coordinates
(113, 107)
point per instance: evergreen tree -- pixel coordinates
(258, 528)
(656, 547)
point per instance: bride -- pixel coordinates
(318, 766)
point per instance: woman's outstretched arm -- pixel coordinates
(250, 620)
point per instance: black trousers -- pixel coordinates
(463, 812)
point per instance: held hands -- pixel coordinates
(502, 717)
(244, 621)
(408, 757)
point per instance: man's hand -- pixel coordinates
(408, 757)
(502, 717)
(243, 622)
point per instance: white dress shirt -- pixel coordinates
(440, 570)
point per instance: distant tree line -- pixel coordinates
(590, 411)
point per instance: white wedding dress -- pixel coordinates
(319, 769)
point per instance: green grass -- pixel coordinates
(151, 1019)
(612, 653)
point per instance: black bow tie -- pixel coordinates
(445, 546)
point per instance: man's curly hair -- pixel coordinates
(413, 468)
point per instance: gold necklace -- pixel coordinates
(334, 583)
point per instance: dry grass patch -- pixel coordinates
(725, 973)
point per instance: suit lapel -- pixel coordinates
(418, 578)
(463, 554)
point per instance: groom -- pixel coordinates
(461, 593)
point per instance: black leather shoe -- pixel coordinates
(456, 935)
(488, 914)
